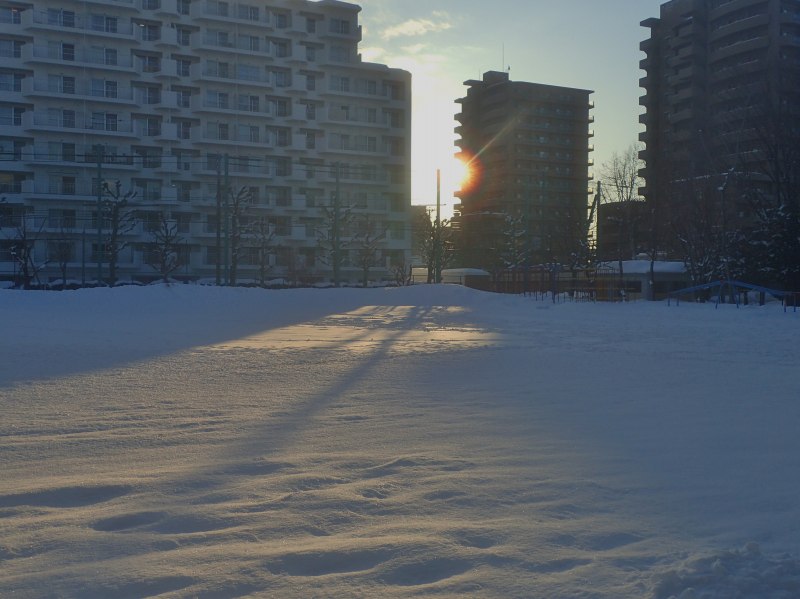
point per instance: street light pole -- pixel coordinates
(99, 151)
(437, 248)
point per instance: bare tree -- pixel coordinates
(261, 236)
(516, 250)
(239, 202)
(164, 254)
(401, 274)
(368, 239)
(23, 251)
(61, 250)
(434, 242)
(120, 222)
(620, 193)
(332, 237)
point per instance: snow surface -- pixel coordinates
(432, 441)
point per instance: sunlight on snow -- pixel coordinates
(395, 329)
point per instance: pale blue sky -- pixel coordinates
(588, 44)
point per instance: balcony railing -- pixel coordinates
(82, 22)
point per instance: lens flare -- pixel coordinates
(470, 171)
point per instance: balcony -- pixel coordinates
(79, 24)
(80, 93)
(40, 121)
(82, 57)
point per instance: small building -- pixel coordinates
(634, 283)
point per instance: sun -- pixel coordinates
(455, 174)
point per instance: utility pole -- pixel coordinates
(99, 151)
(83, 256)
(335, 228)
(219, 225)
(225, 221)
(437, 247)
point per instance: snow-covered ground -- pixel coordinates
(433, 441)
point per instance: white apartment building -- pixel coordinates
(179, 101)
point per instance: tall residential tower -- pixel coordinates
(181, 100)
(717, 73)
(528, 145)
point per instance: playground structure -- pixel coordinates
(735, 292)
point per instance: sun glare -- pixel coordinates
(455, 174)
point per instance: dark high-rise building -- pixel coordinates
(528, 145)
(720, 74)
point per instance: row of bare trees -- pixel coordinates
(342, 237)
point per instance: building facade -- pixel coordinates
(528, 148)
(253, 131)
(720, 75)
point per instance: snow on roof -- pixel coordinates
(462, 272)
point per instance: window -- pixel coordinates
(218, 38)
(218, 8)
(282, 107)
(68, 85)
(12, 82)
(184, 36)
(61, 84)
(281, 20)
(282, 79)
(10, 48)
(184, 193)
(311, 82)
(9, 15)
(311, 25)
(247, 12)
(110, 56)
(68, 119)
(104, 23)
(104, 88)
(222, 131)
(67, 51)
(151, 4)
(148, 95)
(63, 18)
(247, 72)
(68, 185)
(340, 84)
(218, 69)
(184, 67)
(215, 99)
(311, 112)
(152, 126)
(248, 133)
(280, 48)
(249, 42)
(150, 64)
(282, 137)
(311, 140)
(149, 32)
(184, 129)
(248, 103)
(184, 7)
(366, 86)
(340, 26)
(184, 98)
(68, 152)
(311, 53)
(61, 218)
